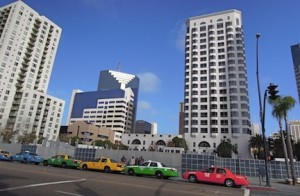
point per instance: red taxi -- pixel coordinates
(217, 175)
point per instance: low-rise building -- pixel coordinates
(89, 133)
(148, 142)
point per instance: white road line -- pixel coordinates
(41, 184)
(63, 192)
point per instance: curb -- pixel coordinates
(246, 192)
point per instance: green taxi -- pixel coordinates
(62, 160)
(152, 168)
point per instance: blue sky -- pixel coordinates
(146, 38)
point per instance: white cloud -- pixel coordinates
(178, 35)
(149, 82)
(144, 105)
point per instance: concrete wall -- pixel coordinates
(11, 148)
(183, 162)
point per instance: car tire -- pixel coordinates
(45, 163)
(63, 165)
(159, 174)
(106, 169)
(192, 179)
(85, 167)
(130, 172)
(229, 183)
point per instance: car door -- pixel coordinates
(93, 164)
(220, 175)
(52, 160)
(153, 167)
(141, 169)
(31, 157)
(102, 163)
(60, 159)
(209, 175)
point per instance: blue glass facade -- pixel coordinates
(87, 100)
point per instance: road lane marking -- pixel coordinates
(67, 193)
(41, 184)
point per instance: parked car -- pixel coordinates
(27, 157)
(104, 164)
(62, 160)
(4, 155)
(217, 175)
(152, 168)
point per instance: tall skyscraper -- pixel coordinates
(295, 49)
(112, 106)
(216, 103)
(28, 45)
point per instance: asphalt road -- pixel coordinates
(26, 179)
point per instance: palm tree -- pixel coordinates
(256, 142)
(278, 114)
(285, 104)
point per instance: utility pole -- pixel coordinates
(262, 114)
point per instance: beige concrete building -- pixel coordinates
(89, 132)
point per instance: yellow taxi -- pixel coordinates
(103, 164)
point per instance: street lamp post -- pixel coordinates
(262, 113)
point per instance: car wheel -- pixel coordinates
(193, 178)
(106, 169)
(85, 167)
(158, 175)
(130, 172)
(45, 163)
(63, 165)
(229, 182)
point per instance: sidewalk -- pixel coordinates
(278, 187)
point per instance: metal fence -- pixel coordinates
(248, 167)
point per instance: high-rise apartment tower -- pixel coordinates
(216, 103)
(28, 45)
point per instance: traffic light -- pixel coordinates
(271, 144)
(272, 91)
